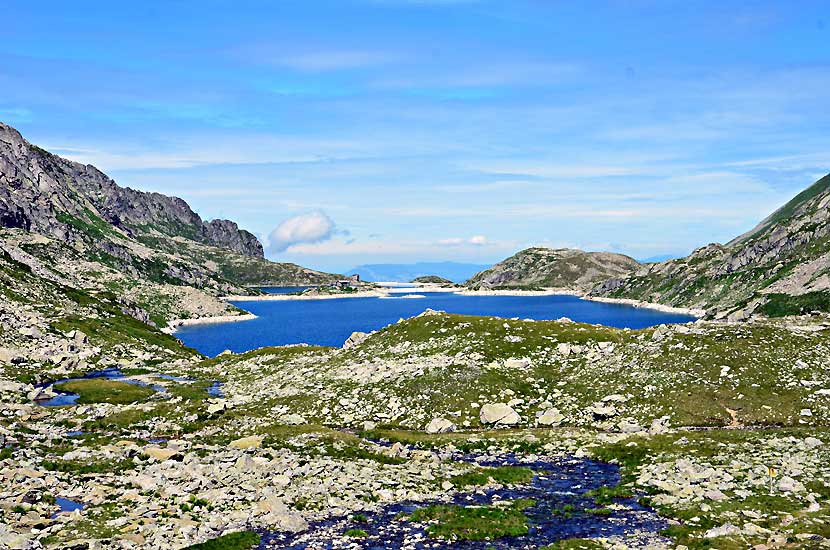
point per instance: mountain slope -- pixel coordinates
(561, 268)
(78, 225)
(787, 255)
(47, 194)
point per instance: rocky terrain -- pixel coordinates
(305, 434)
(781, 267)
(113, 435)
(564, 269)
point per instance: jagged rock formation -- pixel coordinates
(74, 225)
(132, 238)
(47, 194)
(560, 268)
(780, 267)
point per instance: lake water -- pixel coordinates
(330, 322)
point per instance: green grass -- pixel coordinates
(242, 540)
(506, 475)
(98, 390)
(607, 495)
(78, 467)
(781, 305)
(475, 522)
(356, 533)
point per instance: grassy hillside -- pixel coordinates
(788, 254)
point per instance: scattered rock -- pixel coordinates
(550, 417)
(440, 426)
(500, 414)
(250, 442)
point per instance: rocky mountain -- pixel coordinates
(50, 195)
(560, 268)
(76, 225)
(780, 267)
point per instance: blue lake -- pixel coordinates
(330, 322)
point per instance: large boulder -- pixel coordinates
(500, 414)
(440, 426)
(250, 442)
(162, 454)
(355, 339)
(550, 417)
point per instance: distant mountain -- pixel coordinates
(559, 268)
(780, 267)
(432, 279)
(454, 271)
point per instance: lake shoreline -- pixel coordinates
(461, 291)
(699, 313)
(176, 324)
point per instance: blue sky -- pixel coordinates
(360, 131)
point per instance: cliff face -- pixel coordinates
(782, 266)
(47, 194)
(74, 225)
(562, 268)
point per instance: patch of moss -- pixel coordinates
(242, 540)
(101, 390)
(475, 522)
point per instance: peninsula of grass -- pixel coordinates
(242, 540)
(506, 475)
(475, 522)
(99, 390)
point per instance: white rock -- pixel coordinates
(725, 530)
(250, 442)
(355, 339)
(293, 420)
(659, 425)
(500, 414)
(551, 417)
(440, 426)
(789, 485)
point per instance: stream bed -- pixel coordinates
(560, 512)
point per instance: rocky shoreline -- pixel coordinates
(176, 324)
(647, 305)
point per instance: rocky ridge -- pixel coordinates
(557, 268)
(74, 225)
(46, 194)
(780, 267)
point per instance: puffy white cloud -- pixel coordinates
(313, 227)
(476, 240)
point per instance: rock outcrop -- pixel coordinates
(50, 195)
(559, 268)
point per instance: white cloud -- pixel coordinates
(313, 227)
(475, 240)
